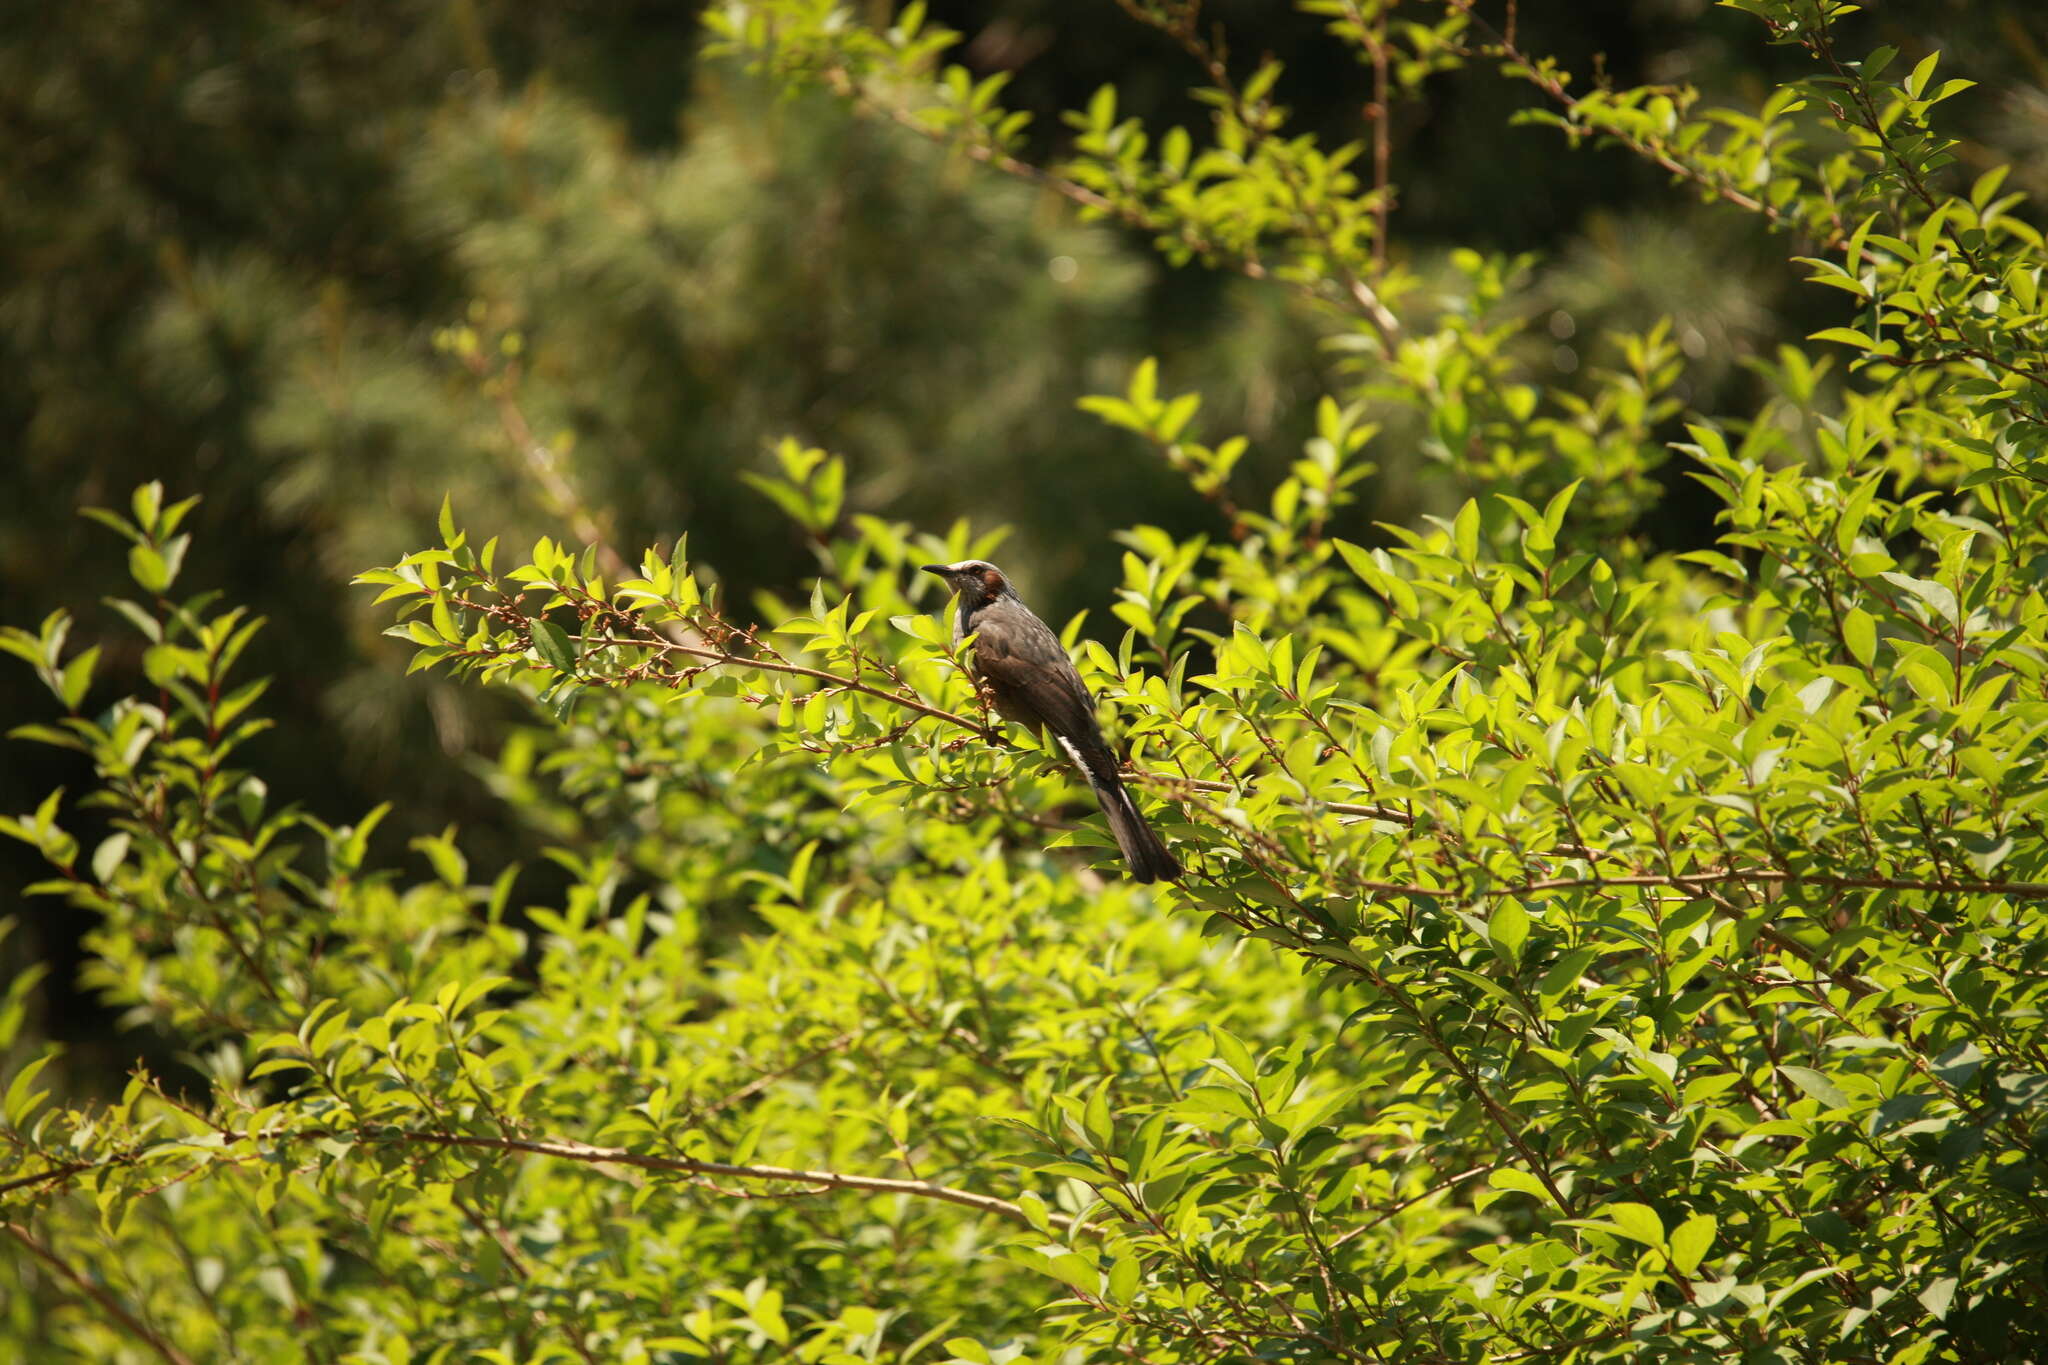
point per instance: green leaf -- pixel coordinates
(1520, 1181)
(1465, 532)
(109, 855)
(1859, 633)
(553, 645)
(1816, 1085)
(22, 1099)
(1922, 72)
(1096, 1121)
(48, 734)
(113, 521)
(76, 678)
(1508, 928)
(1076, 1271)
(1689, 1242)
(1560, 503)
(1121, 1285)
(147, 503)
(148, 569)
(1144, 390)
(1638, 1222)
(1234, 1054)
(1847, 336)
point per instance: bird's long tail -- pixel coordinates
(1144, 853)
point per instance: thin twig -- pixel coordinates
(1214, 253)
(1554, 88)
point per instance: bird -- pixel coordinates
(1032, 682)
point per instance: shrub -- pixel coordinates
(1585, 951)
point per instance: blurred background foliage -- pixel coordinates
(237, 239)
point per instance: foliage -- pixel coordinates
(234, 243)
(1586, 952)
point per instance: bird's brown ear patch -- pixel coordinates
(992, 580)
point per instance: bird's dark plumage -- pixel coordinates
(1034, 683)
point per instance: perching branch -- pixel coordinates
(1754, 876)
(563, 1149)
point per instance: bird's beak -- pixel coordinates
(939, 569)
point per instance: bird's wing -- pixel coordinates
(1036, 684)
(1027, 668)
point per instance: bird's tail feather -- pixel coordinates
(1144, 853)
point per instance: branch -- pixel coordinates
(1199, 784)
(715, 657)
(1714, 876)
(1759, 876)
(61, 1173)
(712, 658)
(113, 1307)
(566, 1150)
(1181, 27)
(545, 466)
(1362, 299)
(1554, 88)
(1755, 876)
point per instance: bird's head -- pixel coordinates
(976, 580)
